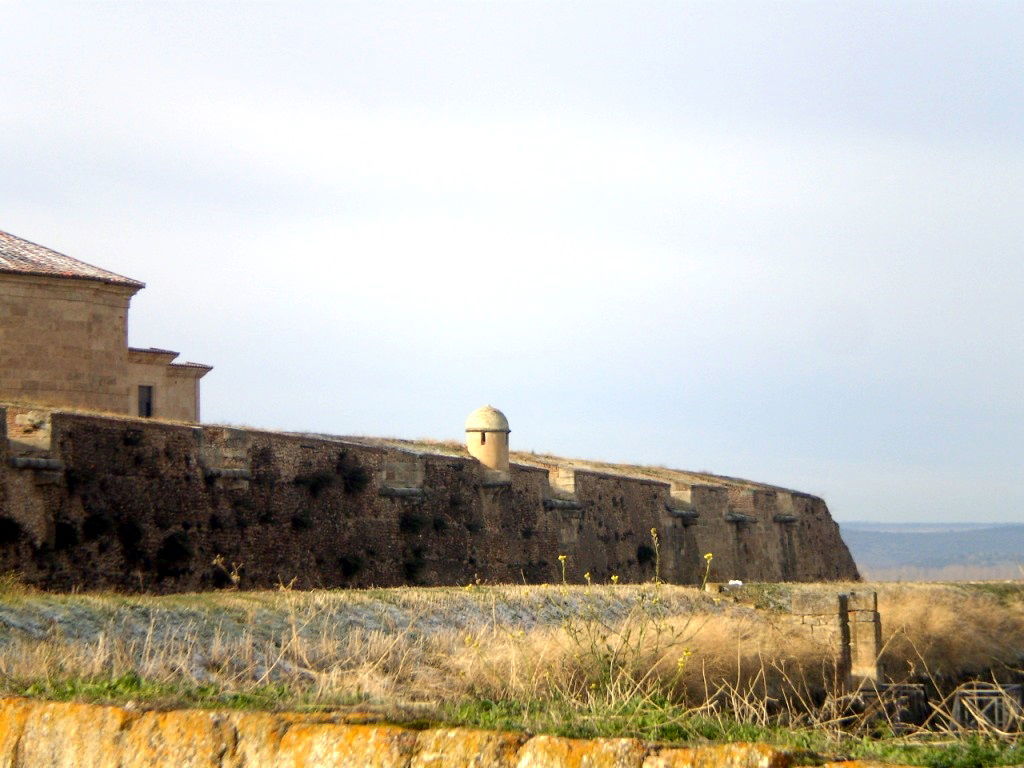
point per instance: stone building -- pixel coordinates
(64, 340)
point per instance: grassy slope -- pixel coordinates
(574, 660)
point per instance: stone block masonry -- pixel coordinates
(62, 342)
(40, 734)
(92, 502)
(865, 637)
(850, 623)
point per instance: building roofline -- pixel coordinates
(153, 351)
(25, 257)
(196, 369)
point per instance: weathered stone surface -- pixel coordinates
(257, 739)
(70, 735)
(41, 734)
(179, 739)
(814, 604)
(555, 752)
(739, 755)
(345, 746)
(862, 601)
(14, 714)
(466, 748)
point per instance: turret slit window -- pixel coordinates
(483, 438)
(145, 401)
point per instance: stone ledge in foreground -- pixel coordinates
(43, 734)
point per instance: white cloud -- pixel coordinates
(634, 267)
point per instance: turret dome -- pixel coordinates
(487, 419)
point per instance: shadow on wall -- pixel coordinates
(104, 502)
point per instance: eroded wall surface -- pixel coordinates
(92, 502)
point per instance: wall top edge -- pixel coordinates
(620, 476)
(518, 467)
(71, 281)
(387, 447)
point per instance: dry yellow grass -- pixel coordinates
(413, 649)
(948, 631)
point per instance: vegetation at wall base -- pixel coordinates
(660, 721)
(657, 662)
(648, 719)
(165, 694)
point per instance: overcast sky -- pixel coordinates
(773, 240)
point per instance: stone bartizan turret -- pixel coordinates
(487, 438)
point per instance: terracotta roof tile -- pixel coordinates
(27, 258)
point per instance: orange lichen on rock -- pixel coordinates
(190, 737)
(366, 746)
(466, 748)
(257, 738)
(41, 734)
(70, 735)
(554, 752)
(738, 755)
(13, 715)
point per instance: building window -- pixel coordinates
(483, 438)
(145, 401)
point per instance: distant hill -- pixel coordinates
(936, 551)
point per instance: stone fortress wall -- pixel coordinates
(103, 500)
(92, 501)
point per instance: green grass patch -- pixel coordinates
(661, 721)
(130, 687)
(767, 596)
(943, 752)
(648, 718)
(1005, 593)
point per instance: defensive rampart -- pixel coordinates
(91, 502)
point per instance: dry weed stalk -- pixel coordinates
(601, 652)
